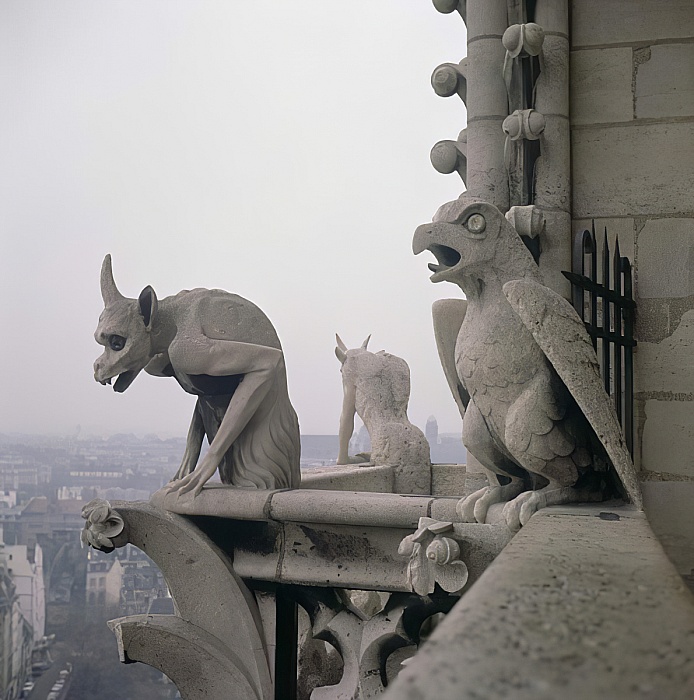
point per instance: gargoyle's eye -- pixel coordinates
(476, 223)
(116, 342)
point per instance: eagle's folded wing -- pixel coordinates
(562, 336)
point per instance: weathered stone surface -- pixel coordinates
(347, 556)
(642, 169)
(668, 436)
(350, 478)
(551, 89)
(372, 509)
(448, 479)
(599, 22)
(658, 319)
(668, 505)
(668, 366)
(601, 86)
(621, 228)
(665, 250)
(665, 83)
(581, 604)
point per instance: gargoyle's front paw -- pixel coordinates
(194, 481)
(465, 508)
(518, 511)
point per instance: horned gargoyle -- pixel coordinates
(377, 387)
(223, 349)
(538, 416)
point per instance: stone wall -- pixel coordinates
(632, 141)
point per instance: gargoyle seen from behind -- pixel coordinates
(377, 387)
(223, 349)
(537, 413)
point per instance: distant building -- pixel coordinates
(25, 566)
(104, 580)
(432, 430)
(16, 636)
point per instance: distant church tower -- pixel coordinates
(432, 430)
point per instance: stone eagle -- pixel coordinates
(538, 418)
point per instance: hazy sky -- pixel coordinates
(276, 149)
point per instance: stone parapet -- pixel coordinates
(583, 603)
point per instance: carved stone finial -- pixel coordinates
(103, 526)
(433, 558)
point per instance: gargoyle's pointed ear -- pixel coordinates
(148, 305)
(109, 291)
(340, 350)
(365, 343)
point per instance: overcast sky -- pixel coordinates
(276, 149)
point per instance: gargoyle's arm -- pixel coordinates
(349, 406)
(220, 358)
(256, 363)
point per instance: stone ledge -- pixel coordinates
(582, 603)
(362, 508)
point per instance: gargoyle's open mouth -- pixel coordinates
(446, 257)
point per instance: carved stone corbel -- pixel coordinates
(217, 619)
(434, 558)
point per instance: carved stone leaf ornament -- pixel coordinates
(103, 525)
(433, 558)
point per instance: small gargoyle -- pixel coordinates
(537, 414)
(223, 349)
(377, 387)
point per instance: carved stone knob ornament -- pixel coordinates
(523, 40)
(433, 558)
(524, 124)
(528, 220)
(104, 527)
(449, 79)
(445, 7)
(451, 156)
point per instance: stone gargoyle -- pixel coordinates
(223, 349)
(377, 387)
(538, 418)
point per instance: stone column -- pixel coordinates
(553, 167)
(487, 102)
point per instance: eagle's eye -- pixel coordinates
(476, 223)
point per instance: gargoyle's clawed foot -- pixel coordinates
(192, 482)
(466, 506)
(474, 508)
(518, 511)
